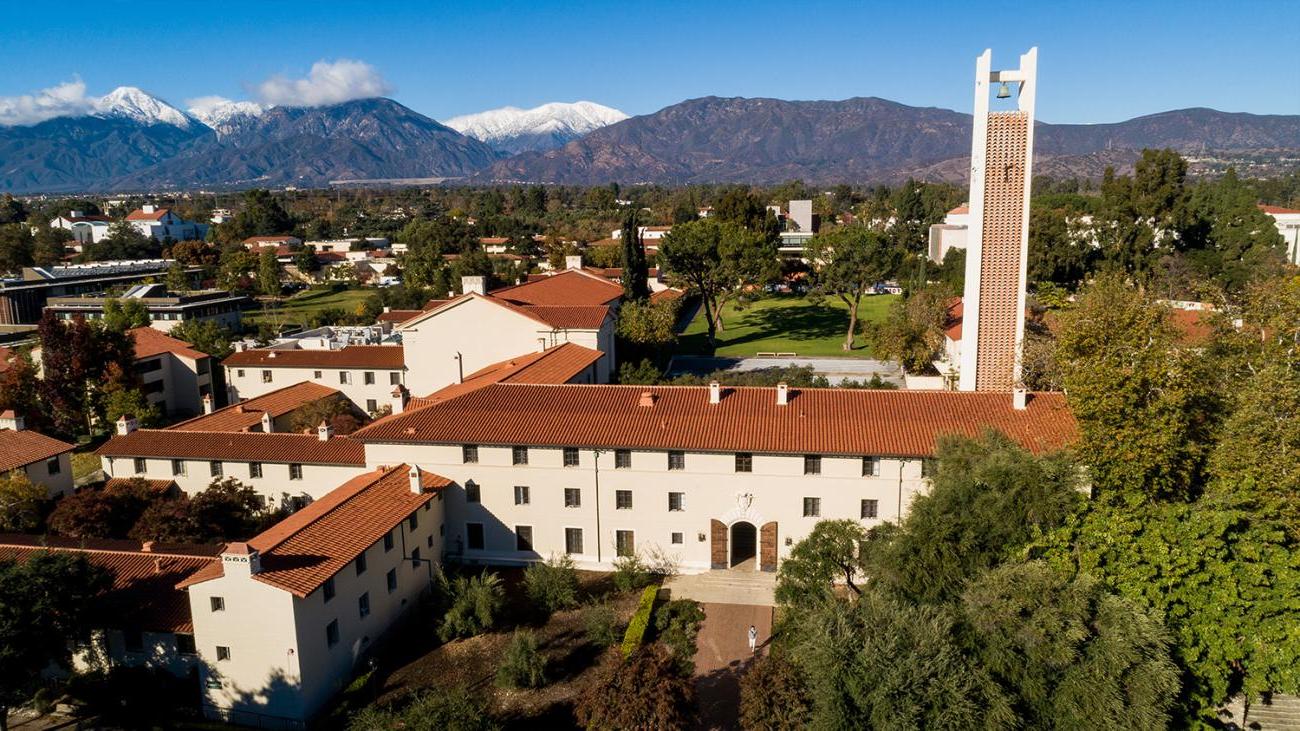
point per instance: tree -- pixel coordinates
(268, 273)
(913, 330)
(827, 555)
(119, 402)
(121, 315)
(773, 696)
(260, 214)
(16, 247)
(649, 323)
(848, 262)
(177, 280)
(636, 288)
(109, 512)
(45, 605)
(124, 241)
(522, 664)
(50, 244)
(206, 336)
(338, 412)
(643, 692)
(475, 603)
(21, 502)
(719, 260)
(236, 266)
(552, 585)
(20, 390)
(1055, 254)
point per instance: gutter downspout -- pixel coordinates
(595, 453)
(901, 462)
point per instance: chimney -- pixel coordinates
(399, 399)
(715, 392)
(74, 214)
(413, 475)
(147, 547)
(126, 423)
(149, 208)
(240, 346)
(573, 261)
(647, 399)
(782, 394)
(268, 424)
(477, 285)
(324, 431)
(207, 403)
(1019, 398)
(240, 559)
(9, 419)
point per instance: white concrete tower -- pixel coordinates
(1002, 153)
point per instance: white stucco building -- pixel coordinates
(1288, 225)
(85, 228)
(44, 460)
(366, 374)
(162, 223)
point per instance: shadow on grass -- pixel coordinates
(790, 319)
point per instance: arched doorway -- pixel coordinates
(744, 542)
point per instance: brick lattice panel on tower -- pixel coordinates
(1004, 191)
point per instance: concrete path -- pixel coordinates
(734, 586)
(721, 656)
(835, 369)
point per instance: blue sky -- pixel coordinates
(1098, 61)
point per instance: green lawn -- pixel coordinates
(784, 324)
(303, 305)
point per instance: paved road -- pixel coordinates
(835, 369)
(721, 656)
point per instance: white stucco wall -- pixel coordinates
(247, 382)
(60, 482)
(274, 484)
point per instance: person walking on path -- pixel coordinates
(753, 638)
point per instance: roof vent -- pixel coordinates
(126, 423)
(1020, 398)
(476, 285)
(573, 261)
(414, 476)
(147, 547)
(9, 419)
(398, 401)
(207, 403)
(782, 394)
(268, 425)
(410, 430)
(324, 431)
(647, 399)
(270, 353)
(715, 392)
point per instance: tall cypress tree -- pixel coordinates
(635, 284)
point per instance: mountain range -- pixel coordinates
(131, 141)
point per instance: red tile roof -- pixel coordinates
(568, 288)
(493, 240)
(568, 318)
(1276, 210)
(80, 219)
(144, 595)
(816, 421)
(1194, 327)
(139, 214)
(236, 447)
(553, 365)
(396, 316)
(150, 342)
(6, 355)
(959, 210)
(21, 448)
(270, 239)
(160, 486)
(666, 294)
(247, 415)
(300, 552)
(386, 357)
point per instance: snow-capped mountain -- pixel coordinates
(512, 130)
(128, 102)
(224, 116)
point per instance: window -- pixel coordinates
(394, 378)
(472, 492)
(361, 563)
(573, 540)
(413, 521)
(327, 590)
(133, 639)
(391, 578)
(332, 633)
(388, 541)
(676, 460)
(415, 559)
(239, 373)
(52, 466)
(519, 455)
(871, 467)
(214, 468)
(178, 466)
(622, 459)
(363, 605)
(675, 501)
(185, 645)
(812, 464)
(371, 406)
(523, 538)
(218, 603)
(812, 507)
(521, 495)
(345, 378)
(254, 469)
(677, 538)
(744, 462)
(140, 464)
(570, 456)
(623, 543)
(928, 466)
(223, 653)
(572, 497)
(622, 499)
(469, 454)
(368, 378)
(474, 536)
(266, 376)
(870, 508)
(295, 472)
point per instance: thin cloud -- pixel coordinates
(203, 104)
(64, 100)
(327, 83)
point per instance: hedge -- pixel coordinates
(636, 628)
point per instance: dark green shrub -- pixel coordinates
(773, 696)
(678, 622)
(636, 628)
(601, 622)
(553, 585)
(630, 572)
(644, 691)
(452, 710)
(523, 665)
(475, 603)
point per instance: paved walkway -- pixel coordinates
(835, 369)
(741, 585)
(721, 655)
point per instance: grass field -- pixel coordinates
(300, 307)
(784, 324)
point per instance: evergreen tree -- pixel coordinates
(636, 286)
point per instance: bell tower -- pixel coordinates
(1002, 152)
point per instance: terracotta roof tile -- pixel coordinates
(236, 446)
(1276, 210)
(139, 214)
(20, 448)
(144, 594)
(568, 288)
(388, 357)
(159, 486)
(150, 342)
(300, 552)
(396, 316)
(816, 421)
(247, 415)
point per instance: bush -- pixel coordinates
(602, 625)
(553, 585)
(630, 572)
(678, 622)
(475, 602)
(453, 710)
(636, 628)
(523, 665)
(773, 696)
(642, 692)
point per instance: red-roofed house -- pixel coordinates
(364, 373)
(283, 620)
(1288, 224)
(85, 229)
(176, 377)
(45, 460)
(162, 223)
